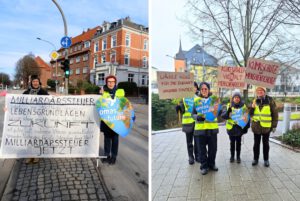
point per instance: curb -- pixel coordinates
(284, 145)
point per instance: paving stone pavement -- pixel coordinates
(173, 179)
(58, 179)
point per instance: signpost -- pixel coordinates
(66, 42)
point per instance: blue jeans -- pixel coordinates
(111, 145)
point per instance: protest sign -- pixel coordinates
(175, 85)
(240, 116)
(231, 77)
(205, 107)
(189, 103)
(50, 126)
(116, 113)
(261, 72)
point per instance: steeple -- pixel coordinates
(180, 54)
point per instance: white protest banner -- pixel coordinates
(50, 126)
(231, 77)
(261, 72)
(175, 85)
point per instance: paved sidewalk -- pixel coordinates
(55, 179)
(174, 179)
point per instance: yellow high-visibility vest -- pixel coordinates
(263, 116)
(187, 116)
(119, 93)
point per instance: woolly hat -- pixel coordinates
(236, 92)
(202, 83)
(110, 76)
(259, 87)
(34, 77)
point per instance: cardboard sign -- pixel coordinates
(205, 106)
(240, 116)
(261, 72)
(175, 85)
(50, 126)
(117, 114)
(231, 77)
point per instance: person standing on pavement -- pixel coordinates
(206, 133)
(34, 89)
(264, 121)
(111, 138)
(188, 125)
(234, 131)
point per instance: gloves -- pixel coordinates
(229, 110)
(273, 130)
(133, 118)
(200, 118)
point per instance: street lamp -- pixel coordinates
(56, 82)
(203, 69)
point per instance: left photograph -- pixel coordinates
(74, 98)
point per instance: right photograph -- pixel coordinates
(225, 100)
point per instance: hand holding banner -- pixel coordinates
(209, 107)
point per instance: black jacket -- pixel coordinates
(40, 92)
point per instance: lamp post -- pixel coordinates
(203, 68)
(56, 81)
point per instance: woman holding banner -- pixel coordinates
(205, 113)
(264, 120)
(185, 108)
(34, 89)
(237, 123)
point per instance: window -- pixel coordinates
(85, 57)
(104, 44)
(75, 48)
(126, 59)
(127, 40)
(71, 72)
(143, 79)
(85, 70)
(113, 57)
(78, 59)
(96, 59)
(71, 61)
(96, 46)
(87, 44)
(77, 71)
(101, 79)
(113, 41)
(130, 77)
(145, 62)
(145, 44)
(103, 58)
(79, 47)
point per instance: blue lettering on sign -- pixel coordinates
(240, 117)
(204, 106)
(189, 102)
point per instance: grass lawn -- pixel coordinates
(295, 116)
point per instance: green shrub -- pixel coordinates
(292, 137)
(143, 90)
(130, 88)
(51, 83)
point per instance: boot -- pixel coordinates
(35, 160)
(231, 159)
(106, 160)
(191, 160)
(112, 160)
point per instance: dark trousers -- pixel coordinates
(235, 144)
(191, 147)
(266, 147)
(207, 155)
(111, 145)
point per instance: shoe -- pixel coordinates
(204, 171)
(254, 162)
(35, 160)
(106, 160)
(214, 168)
(238, 160)
(28, 160)
(197, 160)
(191, 160)
(267, 164)
(112, 161)
(231, 159)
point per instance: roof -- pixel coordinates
(41, 63)
(85, 35)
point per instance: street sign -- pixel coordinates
(66, 42)
(54, 55)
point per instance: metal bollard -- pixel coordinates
(286, 117)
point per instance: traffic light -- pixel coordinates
(65, 66)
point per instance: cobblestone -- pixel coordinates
(58, 179)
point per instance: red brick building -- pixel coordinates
(45, 71)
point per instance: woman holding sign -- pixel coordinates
(237, 123)
(205, 111)
(264, 120)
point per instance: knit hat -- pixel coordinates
(236, 92)
(110, 76)
(35, 77)
(202, 83)
(259, 87)
(196, 85)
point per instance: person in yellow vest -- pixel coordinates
(234, 131)
(111, 139)
(264, 121)
(188, 125)
(205, 134)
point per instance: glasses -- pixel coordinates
(110, 81)
(204, 89)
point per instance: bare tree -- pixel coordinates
(241, 29)
(26, 67)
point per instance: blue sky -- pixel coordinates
(22, 21)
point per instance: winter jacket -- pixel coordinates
(256, 127)
(236, 129)
(39, 91)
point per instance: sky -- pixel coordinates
(22, 21)
(165, 30)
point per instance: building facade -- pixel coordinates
(45, 71)
(121, 48)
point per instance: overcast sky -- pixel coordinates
(22, 21)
